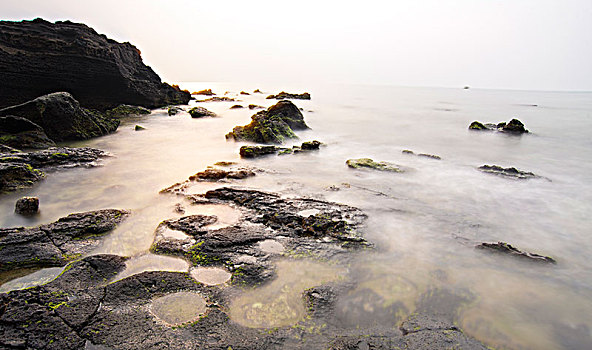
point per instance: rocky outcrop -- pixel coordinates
(22, 169)
(514, 126)
(507, 172)
(200, 112)
(273, 125)
(57, 243)
(38, 57)
(22, 133)
(27, 206)
(368, 163)
(505, 248)
(62, 118)
(285, 95)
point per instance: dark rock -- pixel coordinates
(236, 107)
(21, 170)
(466, 88)
(22, 133)
(212, 174)
(371, 164)
(505, 248)
(255, 107)
(139, 127)
(27, 206)
(273, 125)
(244, 93)
(258, 151)
(200, 112)
(206, 92)
(218, 99)
(62, 118)
(425, 155)
(257, 91)
(126, 110)
(311, 145)
(56, 243)
(507, 172)
(174, 110)
(285, 95)
(406, 151)
(514, 126)
(39, 57)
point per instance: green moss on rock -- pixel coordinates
(371, 164)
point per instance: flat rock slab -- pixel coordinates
(367, 163)
(507, 249)
(56, 243)
(507, 172)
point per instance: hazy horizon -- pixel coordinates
(522, 45)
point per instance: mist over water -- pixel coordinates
(424, 222)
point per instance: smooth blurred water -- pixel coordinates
(425, 222)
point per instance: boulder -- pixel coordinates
(22, 133)
(200, 112)
(62, 118)
(39, 57)
(273, 125)
(174, 110)
(15, 176)
(371, 164)
(139, 128)
(311, 145)
(27, 206)
(126, 110)
(285, 95)
(514, 126)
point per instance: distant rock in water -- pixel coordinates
(507, 172)
(39, 57)
(19, 132)
(257, 91)
(206, 92)
(174, 110)
(273, 125)
(237, 107)
(244, 93)
(513, 126)
(255, 107)
(425, 155)
(27, 206)
(218, 99)
(505, 248)
(200, 112)
(371, 164)
(62, 118)
(258, 151)
(139, 127)
(285, 95)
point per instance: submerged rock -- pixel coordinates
(212, 174)
(425, 155)
(257, 91)
(507, 172)
(244, 93)
(285, 95)
(258, 151)
(21, 170)
(139, 128)
(62, 118)
(371, 164)
(200, 112)
(237, 107)
(311, 145)
(40, 57)
(273, 125)
(505, 248)
(22, 133)
(255, 107)
(127, 110)
(57, 243)
(27, 206)
(206, 92)
(513, 126)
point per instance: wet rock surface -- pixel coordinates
(174, 110)
(285, 95)
(220, 172)
(127, 110)
(273, 125)
(205, 92)
(507, 249)
(56, 243)
(62, 118)
(367, 163)
(507, 172)
(259, 151)
(514, 126)
(27, 206)
(38, 57)
(425, 155)
(200, 112)
(20, 132)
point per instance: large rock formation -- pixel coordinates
(38, 57)
(273, 125)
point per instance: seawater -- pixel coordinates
(424, 222)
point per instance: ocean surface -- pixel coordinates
(424, 222)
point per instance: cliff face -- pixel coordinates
(38, 57)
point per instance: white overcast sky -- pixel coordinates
(511, 44)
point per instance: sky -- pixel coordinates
(504, 44)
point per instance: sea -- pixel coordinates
(423, 223)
